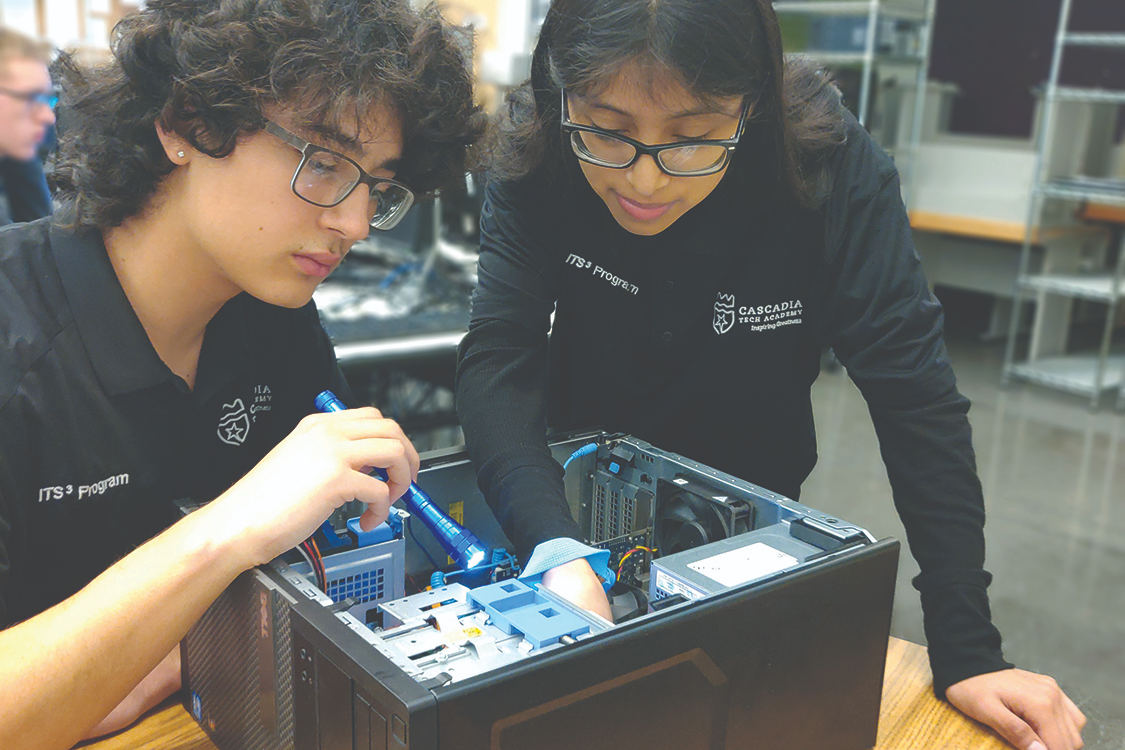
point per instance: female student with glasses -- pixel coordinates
(693, 219)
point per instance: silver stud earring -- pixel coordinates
(180, 154)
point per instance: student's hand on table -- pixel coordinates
(318, 467)
(1028, 710)
(576, 582)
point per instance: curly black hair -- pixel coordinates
(209, 69)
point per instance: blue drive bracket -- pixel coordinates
(381, 533)
(384, 532)
(515, 607)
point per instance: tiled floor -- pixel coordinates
(1054, 482)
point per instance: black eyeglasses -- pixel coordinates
(693, 158)
(325, 178)
(48, 99)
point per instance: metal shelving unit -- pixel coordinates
(920, 15)
(1089, 375)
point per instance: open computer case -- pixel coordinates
(753, 622)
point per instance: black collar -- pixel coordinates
(119, 348)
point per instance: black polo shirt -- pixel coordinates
(705, 340)
(98, 437)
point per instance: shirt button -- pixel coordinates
(667, 337)
(669, 285)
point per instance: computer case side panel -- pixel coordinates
(803, 661)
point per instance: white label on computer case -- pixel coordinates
(744, 564)
(665, 582)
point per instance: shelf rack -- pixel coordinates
(1089, 375)
(919, 12)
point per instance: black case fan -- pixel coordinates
(689, 515)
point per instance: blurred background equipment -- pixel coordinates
(879, 54)
(397, 308)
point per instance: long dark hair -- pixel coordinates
(207, 70)
(715, 48)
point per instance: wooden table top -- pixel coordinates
(1011, 232)
(910, 717)
(1102, 212)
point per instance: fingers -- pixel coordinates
(1010, 726)
(373, 516)
(314, 470)
(378, 442)
(1077, 720)
(1076, 715)
(1029, 710)
(389, 454)
(1048, 710)
(351, 424)
(1059, 734)
(342, 417)
(413, 460)
(376, 495)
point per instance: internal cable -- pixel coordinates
(630, 552)
(313, 555)
(320, 564)
(308, 559)
(585, 450)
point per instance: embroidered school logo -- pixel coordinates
(759, 317)
(789, 312)
(724, 313)
(263, 397)
(234, 424)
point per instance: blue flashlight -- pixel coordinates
(457, 541)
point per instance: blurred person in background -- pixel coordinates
(27, 114)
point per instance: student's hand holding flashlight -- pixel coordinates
(322, 464)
